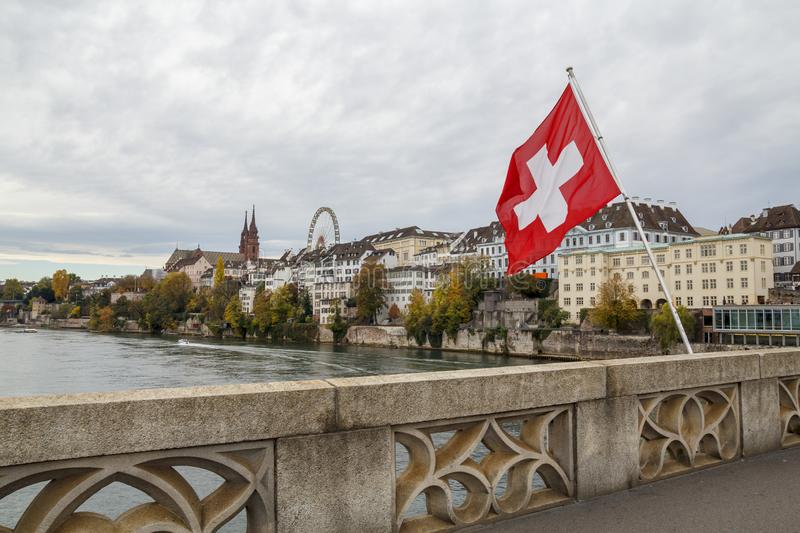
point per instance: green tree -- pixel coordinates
(167, 302)
(42, 289)
(262, 313)
(61, 284)
(616, 307)
(339, 325)
(551, 315)
(13, 290)
(236, 319)
(371, 286)
(664, 329)
(219, 272)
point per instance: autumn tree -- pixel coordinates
(13, 290)
(371, 287)
(219, 272)
(60, 284)
(418, 317)
(616, 307)
(102, 319)
(394, 312)
(664, 329)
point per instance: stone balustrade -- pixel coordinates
(417, 452)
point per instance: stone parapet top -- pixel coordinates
(42, 428)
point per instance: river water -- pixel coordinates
(57, 362)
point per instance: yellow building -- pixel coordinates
(408, 242)
(700, 273)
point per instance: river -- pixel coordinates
(60, 361)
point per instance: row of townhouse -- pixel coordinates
(781, 224)
(700, 273)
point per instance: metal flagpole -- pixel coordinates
(573, 82)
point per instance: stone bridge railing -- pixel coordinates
(419, 452)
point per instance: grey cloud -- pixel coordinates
(175, 117)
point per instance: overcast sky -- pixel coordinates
(126, 127)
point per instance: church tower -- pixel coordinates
(243, 238)
(249, 245)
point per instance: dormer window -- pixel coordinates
(608, 225)
(605, 217)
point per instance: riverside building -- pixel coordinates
(701, 273)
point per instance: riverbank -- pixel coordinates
(565, 344)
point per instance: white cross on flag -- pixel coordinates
(555, 180)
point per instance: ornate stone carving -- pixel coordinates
(687, 429)
(504, 465)
(247, 471)
(789, 393)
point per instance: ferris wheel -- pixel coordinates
(324, 229)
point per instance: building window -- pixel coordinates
(678, 300)
(689, 269)
(713, 283)
(566, 287)
(578, 301)
(677, 269)
(592, 287)
(688, 253)
(704, 268)
(591, 259)
(645, 260)
(744, 283)
(567, 302)
(676, 254)
(621, 236)
(660, 258)
(743, 249)
(579, 287)
(743, 265)
(629, 261)
(745, 299)
(645, 288)
(690, 301)
(629, 275)
(708, 250)
(677, 285)
(706, 301)
(592, 301)
(689, 284)
(645, 274)
(729, 249)
(616, 261)
(592, 271)
(729, 283)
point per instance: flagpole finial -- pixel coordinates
(569, 69)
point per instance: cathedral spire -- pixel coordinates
(244, 229)
(253, 228)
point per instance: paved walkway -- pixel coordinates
(753, 495)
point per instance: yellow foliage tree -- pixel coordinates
(219, 273)
(60, 284)
(616, 307)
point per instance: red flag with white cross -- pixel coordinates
(556, 180)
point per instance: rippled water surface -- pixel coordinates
(56, 362)
(53, 361)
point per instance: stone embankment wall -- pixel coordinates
(586, 345)
(322, 455)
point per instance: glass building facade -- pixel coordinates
(762, 324)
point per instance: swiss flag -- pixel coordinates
(555, 180)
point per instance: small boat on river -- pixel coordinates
(183, 342)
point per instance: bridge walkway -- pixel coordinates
(757, 494)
